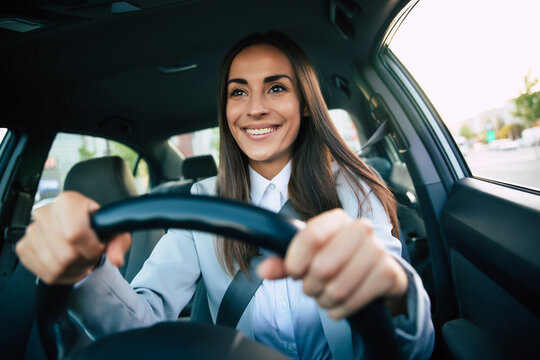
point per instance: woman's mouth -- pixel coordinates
(261, 131)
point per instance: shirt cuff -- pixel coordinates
(410, 326)
(101, 262)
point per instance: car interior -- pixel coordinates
(141, 72)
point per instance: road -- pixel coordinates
(519, 167)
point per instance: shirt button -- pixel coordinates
(283, 305)
(291, 347)
(271, 186)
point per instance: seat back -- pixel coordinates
(106, 180)
(194, 168)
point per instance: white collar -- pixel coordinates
(259, 184)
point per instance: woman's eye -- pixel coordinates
(236, 92)
(277, 88)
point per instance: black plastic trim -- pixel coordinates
(496, 228)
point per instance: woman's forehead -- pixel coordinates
(259, 61)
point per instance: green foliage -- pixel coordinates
(129, 156)
(215, 140)
(510, 131)
(528, 103)
(85, 154)
(466, 132)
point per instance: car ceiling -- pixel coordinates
(91, 71)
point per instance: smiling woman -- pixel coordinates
(263, 107)
(279, 149)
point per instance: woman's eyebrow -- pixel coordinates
(267, 79)
(237, 80)
(276, 77)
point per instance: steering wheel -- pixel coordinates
(244, 222)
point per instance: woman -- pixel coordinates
(277, 144)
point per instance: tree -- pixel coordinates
(528, 103)
(129, 156)
(466, 132)
(510, 131)
(84, 152)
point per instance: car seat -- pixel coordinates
(194, 168)
(106, 180)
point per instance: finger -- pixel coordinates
(36, 257)
(386, 279)
(272, 269)
(118, 247)
(76, 227)
(27, 254)
(333, 257)
(51, 255)
(352, 276)
(309, 240)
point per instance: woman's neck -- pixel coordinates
(268, 170)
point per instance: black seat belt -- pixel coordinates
(242, 289)
(237, 297)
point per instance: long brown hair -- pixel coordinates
(312, 187)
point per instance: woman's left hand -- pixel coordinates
(342, 265)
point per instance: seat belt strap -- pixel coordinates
(237, 297)
(378, 135)
(241, 289)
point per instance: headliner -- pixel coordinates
(90, 66)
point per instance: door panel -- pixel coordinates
(493, 235)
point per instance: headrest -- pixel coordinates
(197, 167)
(105, 180)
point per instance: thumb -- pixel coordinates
(272, 269)
(117, 248)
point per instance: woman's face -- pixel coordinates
(263, 107)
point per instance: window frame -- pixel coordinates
(439, 134)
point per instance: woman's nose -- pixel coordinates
(257, 107)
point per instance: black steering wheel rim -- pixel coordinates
(225, 217)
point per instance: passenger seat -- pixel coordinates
(194, 168)
(106, 180)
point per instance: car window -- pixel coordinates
(346, 128)
(482, 77)
(69, 149)
(202, 142)
(4, 153)
(206, 141)
(3, 132)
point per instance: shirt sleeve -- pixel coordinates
(105, 303)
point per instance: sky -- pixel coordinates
(470, 56)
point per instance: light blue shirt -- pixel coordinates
(283, 317)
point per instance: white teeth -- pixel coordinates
(260, 131)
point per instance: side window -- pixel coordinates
(346, 128)
(4, 152)
(3, 132)
(69, 149)
(202, 142)
(482, 76)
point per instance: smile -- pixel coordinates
(262, 131)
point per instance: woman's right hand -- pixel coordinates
(60, 247)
